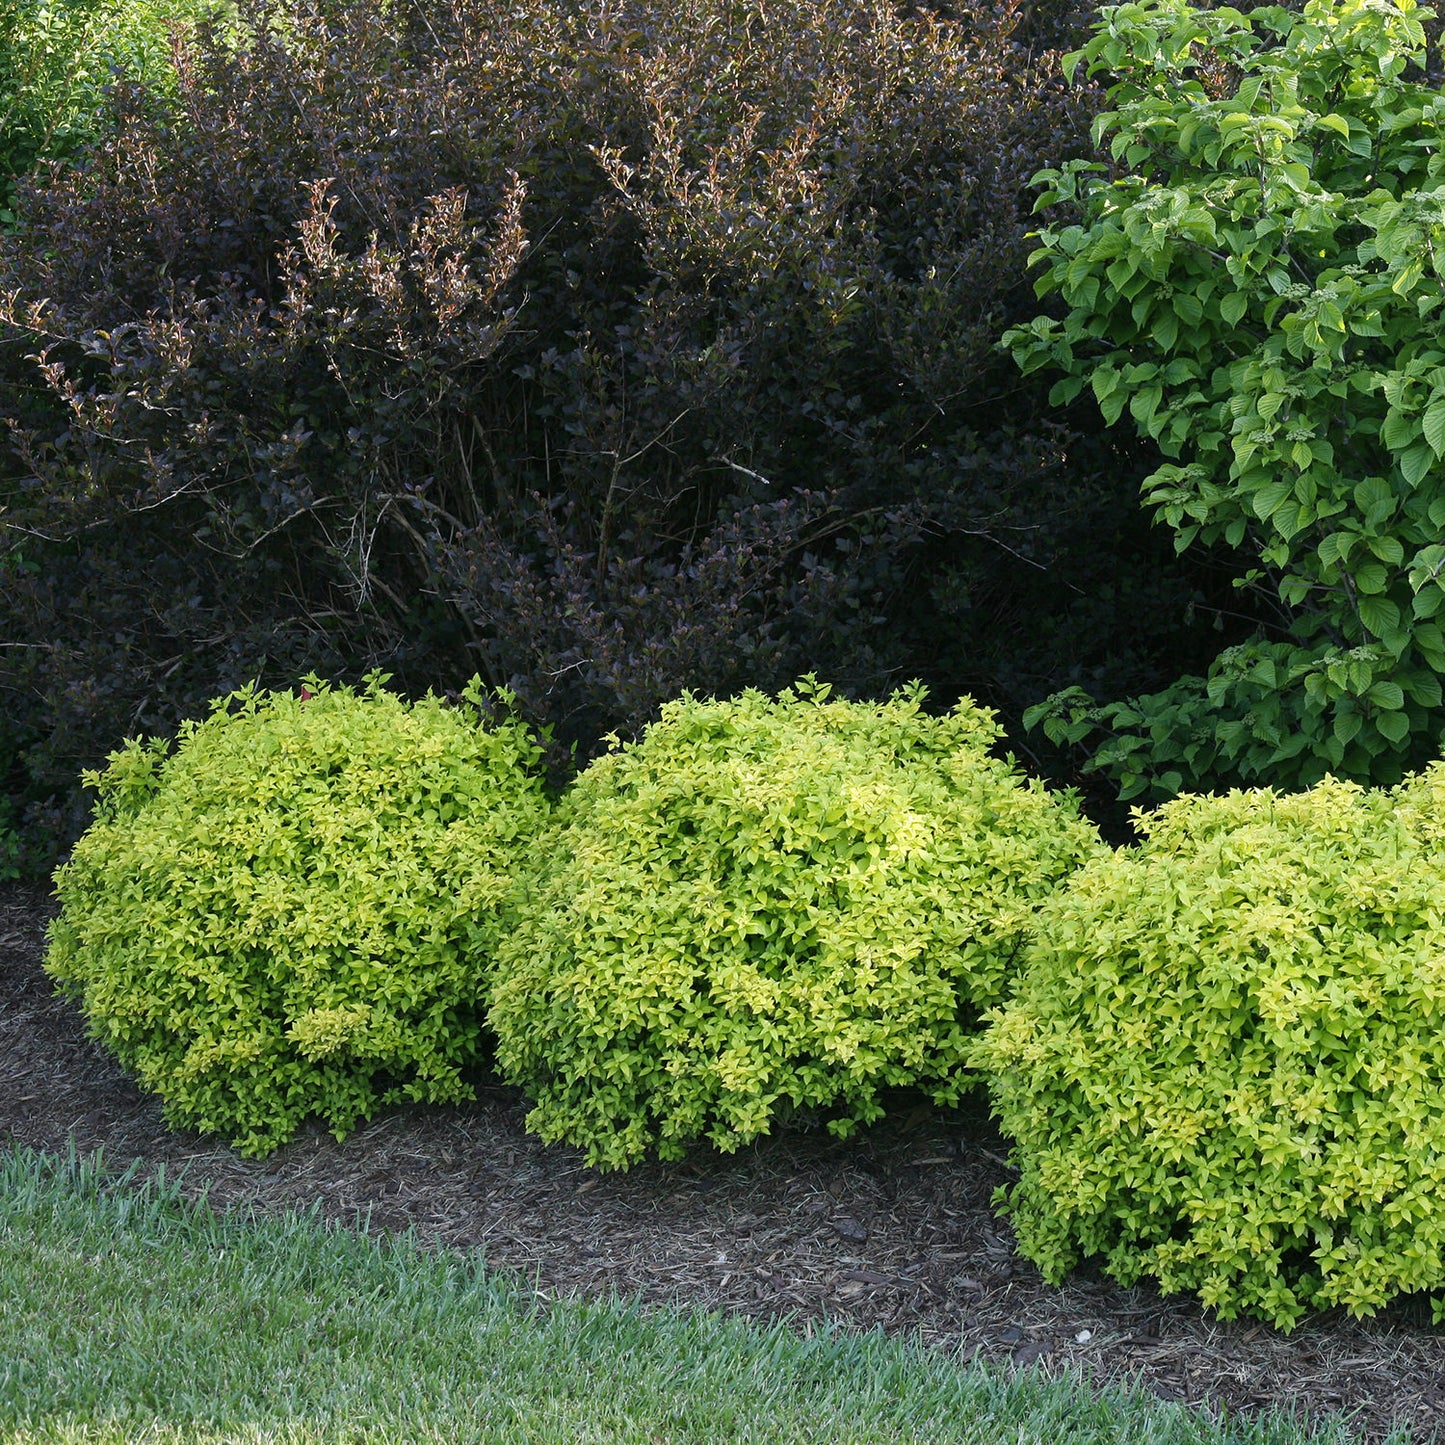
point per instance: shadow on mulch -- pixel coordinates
(891, 1230)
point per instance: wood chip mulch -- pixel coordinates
(892, 1230)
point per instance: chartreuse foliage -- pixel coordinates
(767, 906)
(1260, 289)
(1223, 1062)
(292, 912)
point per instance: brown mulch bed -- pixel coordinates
(893, 1229)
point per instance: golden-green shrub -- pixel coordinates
(291, 913)
(1224, 1065)
(57, 62)
(767, 907)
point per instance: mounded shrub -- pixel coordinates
(292, 912)
(1223, 1063)
(766, 908)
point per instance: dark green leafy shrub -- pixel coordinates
(292, 913)
(767, 908)
(1223, 1065)
(9, 843)
(1257, 283)
(614, 350)
(11, 850)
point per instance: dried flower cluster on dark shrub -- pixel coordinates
(607, 349)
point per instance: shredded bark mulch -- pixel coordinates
(892, 1229)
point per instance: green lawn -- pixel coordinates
(128, 1314)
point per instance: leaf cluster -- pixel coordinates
(768, 908)
(291, 912)
(1256, 280)
(1222, 1065)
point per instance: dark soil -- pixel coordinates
(893, 1229)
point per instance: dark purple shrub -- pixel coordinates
(610, 350)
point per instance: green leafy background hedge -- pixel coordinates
(1254, 277)
(57, 57)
